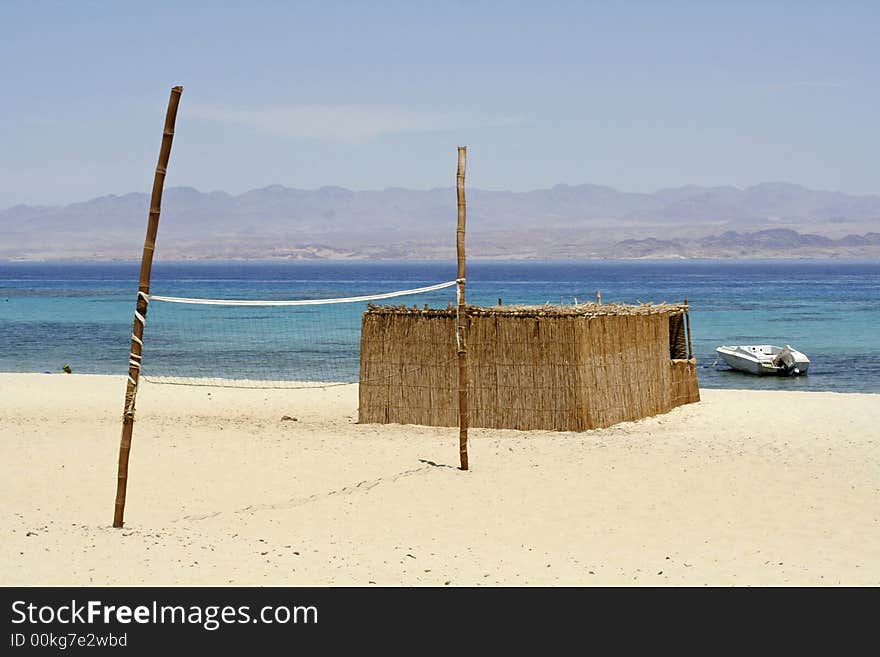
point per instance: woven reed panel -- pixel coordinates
(564, 372)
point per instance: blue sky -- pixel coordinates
(636, 95)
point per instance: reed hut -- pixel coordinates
(564, 368)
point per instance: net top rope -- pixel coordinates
(302, 302)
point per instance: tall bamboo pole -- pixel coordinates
(140, 314)
(461, 314)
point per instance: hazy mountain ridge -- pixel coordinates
(765, 243)
(562, 221)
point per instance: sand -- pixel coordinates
(744, 488)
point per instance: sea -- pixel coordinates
(80, 314)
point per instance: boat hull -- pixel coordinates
(763, 360)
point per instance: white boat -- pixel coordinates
(765, 359)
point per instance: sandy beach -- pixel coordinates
(744, 488)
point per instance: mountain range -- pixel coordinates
(565, 221)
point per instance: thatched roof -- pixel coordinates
(574, 310)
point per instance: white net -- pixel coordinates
(249, 343)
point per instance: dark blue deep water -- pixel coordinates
(81, 314)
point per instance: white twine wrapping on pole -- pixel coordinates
(458, 341)
(134, 360)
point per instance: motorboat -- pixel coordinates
(765, 359)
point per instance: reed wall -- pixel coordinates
(528, 368)
(685, 388)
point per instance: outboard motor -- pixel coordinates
(785, 361)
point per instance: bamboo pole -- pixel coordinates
(461, 313)
(687, 322)
(140, 315)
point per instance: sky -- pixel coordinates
(635, 95)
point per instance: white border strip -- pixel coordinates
(301, 302)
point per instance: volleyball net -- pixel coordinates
(274, 343)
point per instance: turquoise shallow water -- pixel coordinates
(51, 314)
